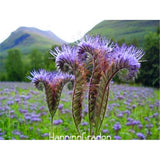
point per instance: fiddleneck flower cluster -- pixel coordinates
(93, 61)
(53, 83)
(66, 58)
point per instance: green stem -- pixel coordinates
(51, 126)
(97, 128)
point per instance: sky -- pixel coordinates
(68, 19)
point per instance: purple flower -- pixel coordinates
(1, 138)
(66, 58)
(135, 122)
(120, 97)
(120, 115)
(117, 137)
(57, 122)
(149, 125)
(60, 107)
(105, 131)
(10, 102)
(146, 119)
(45, 135)
(84, 123)
(86, 110)
(140, 136)
(41, 108)
(106, 125)
(18, 100)
(23, 137)
(140, 126)
(129, 119)
(133, 106)
(127, 112)
(53, 83)
(151, 106)
(131, 130)
(155, 115)
(128, 57)
(117, 126)
(128, 123)
(16, 132)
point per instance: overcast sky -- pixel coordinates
(68, 19)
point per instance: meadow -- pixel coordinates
(132, 113)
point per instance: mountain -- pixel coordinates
(125, 29)
(29, 38)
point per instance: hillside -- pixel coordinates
(28, 38)
(125, 29)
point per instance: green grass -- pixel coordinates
(123, 29)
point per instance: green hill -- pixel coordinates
(27, 38)
(125, 29)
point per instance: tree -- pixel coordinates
(49, 62)
(149, 73)
(36, 60)
(14, 65)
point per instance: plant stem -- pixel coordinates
(51, 126)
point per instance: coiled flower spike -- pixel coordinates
(107, 59)
(67, 61)
(53, 83)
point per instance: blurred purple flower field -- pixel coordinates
(132, 113)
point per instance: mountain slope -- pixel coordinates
(125, 29)
(28, 38)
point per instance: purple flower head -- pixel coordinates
(151, 106)
(131, 130)
(117, 137)
(149, 125)
(117, 126)
(155, 114)
(120, 97)
(1, 138)
(16, 132)
(66, 58)
(53, 83)
(128, 123)
(10, 102)
(23, 137)
(135, 122)
(127, 112)
(133, 106)
(90, 44)
(85, 110)
(60, 107)
(140, 126)
(140, 136)
(146, 119)
(127, 57)
(120, 115)
(57, 122)
(45, 135)
(41, 108)
(105, 131)
(84, 123)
